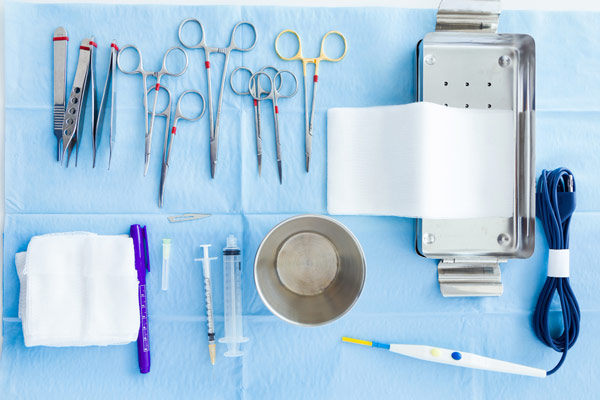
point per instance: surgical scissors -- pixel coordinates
(164, 70)
(170, 136)
(257, 91)
(272, 94)
(308, 123)
(214, 126)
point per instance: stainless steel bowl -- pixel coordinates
(309, 270)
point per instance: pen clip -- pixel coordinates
(145, 248)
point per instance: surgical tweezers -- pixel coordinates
(73, 120)
(108, 95)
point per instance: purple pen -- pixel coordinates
(142, 264)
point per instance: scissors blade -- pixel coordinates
(213, 157)
(163, 178)
(279, 169)
(258, 135)
(147, 155)
(309, 133)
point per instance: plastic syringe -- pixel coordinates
(209, 306)
(232, 278)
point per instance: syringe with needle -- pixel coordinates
(209, 307)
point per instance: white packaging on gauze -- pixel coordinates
(420, 160)
(558, 263)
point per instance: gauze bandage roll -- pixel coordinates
(421, 160)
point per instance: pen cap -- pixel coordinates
(140, 249)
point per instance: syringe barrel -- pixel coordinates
(232, 278)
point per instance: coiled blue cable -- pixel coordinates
(555, 203)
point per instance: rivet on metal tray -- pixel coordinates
(503, 239)
(428, 238)
(430, 59)
(504, 61)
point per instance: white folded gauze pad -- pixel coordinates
(420, 160)
(78, 289)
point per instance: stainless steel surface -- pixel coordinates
(468, 15)
(164, 70)
(233, 46)
(170, 136)
(61, 41)
(466, 279)
(484, 71)
(307, 263)
(309, 270)
(108, 95)
(273, 94)
(166, 114)
(113, 101)
(92, 94)
(74, 112)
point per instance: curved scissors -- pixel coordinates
(257, 91)
(308, 123)
(168, 146)
(214, 126)
(164, 70)
(273, 94)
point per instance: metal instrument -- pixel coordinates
(214, 124)
(60, 84)
(158, 75)
(108, 95)
(186, 217)
(465, 50)
(308, 122)
(170, 136)
(73, 120)
(257, 91)
(272, 94)
(309, 270)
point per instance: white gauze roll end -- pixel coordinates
(558, 263)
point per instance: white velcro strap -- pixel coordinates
(558, 263)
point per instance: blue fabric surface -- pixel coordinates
(400, 302)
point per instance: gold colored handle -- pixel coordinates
(324, 56)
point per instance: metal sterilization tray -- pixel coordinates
(466, 64)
